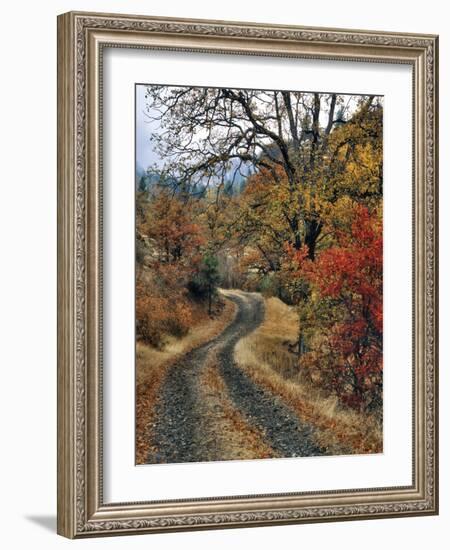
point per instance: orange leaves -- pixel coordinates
(174, 243)
(159, 312)
(175, 237)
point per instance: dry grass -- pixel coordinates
(152, 366)
(265, 356)
(150, 359)
(231, 436)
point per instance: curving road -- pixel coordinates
(179, 434)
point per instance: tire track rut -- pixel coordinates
(180, 427)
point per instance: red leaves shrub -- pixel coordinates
(348, 276)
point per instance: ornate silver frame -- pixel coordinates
(81, 510)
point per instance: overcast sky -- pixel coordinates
(145, 156)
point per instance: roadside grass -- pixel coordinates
(265, 355)
(152, 366)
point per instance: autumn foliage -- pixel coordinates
(304, 225)
(345, 284)
(160, 312)
(172, 243)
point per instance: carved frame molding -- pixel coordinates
(81, 38)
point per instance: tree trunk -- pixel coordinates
(312, 232)
(300, 342)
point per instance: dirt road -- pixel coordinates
(185, 432)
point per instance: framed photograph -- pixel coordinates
(247, 276)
